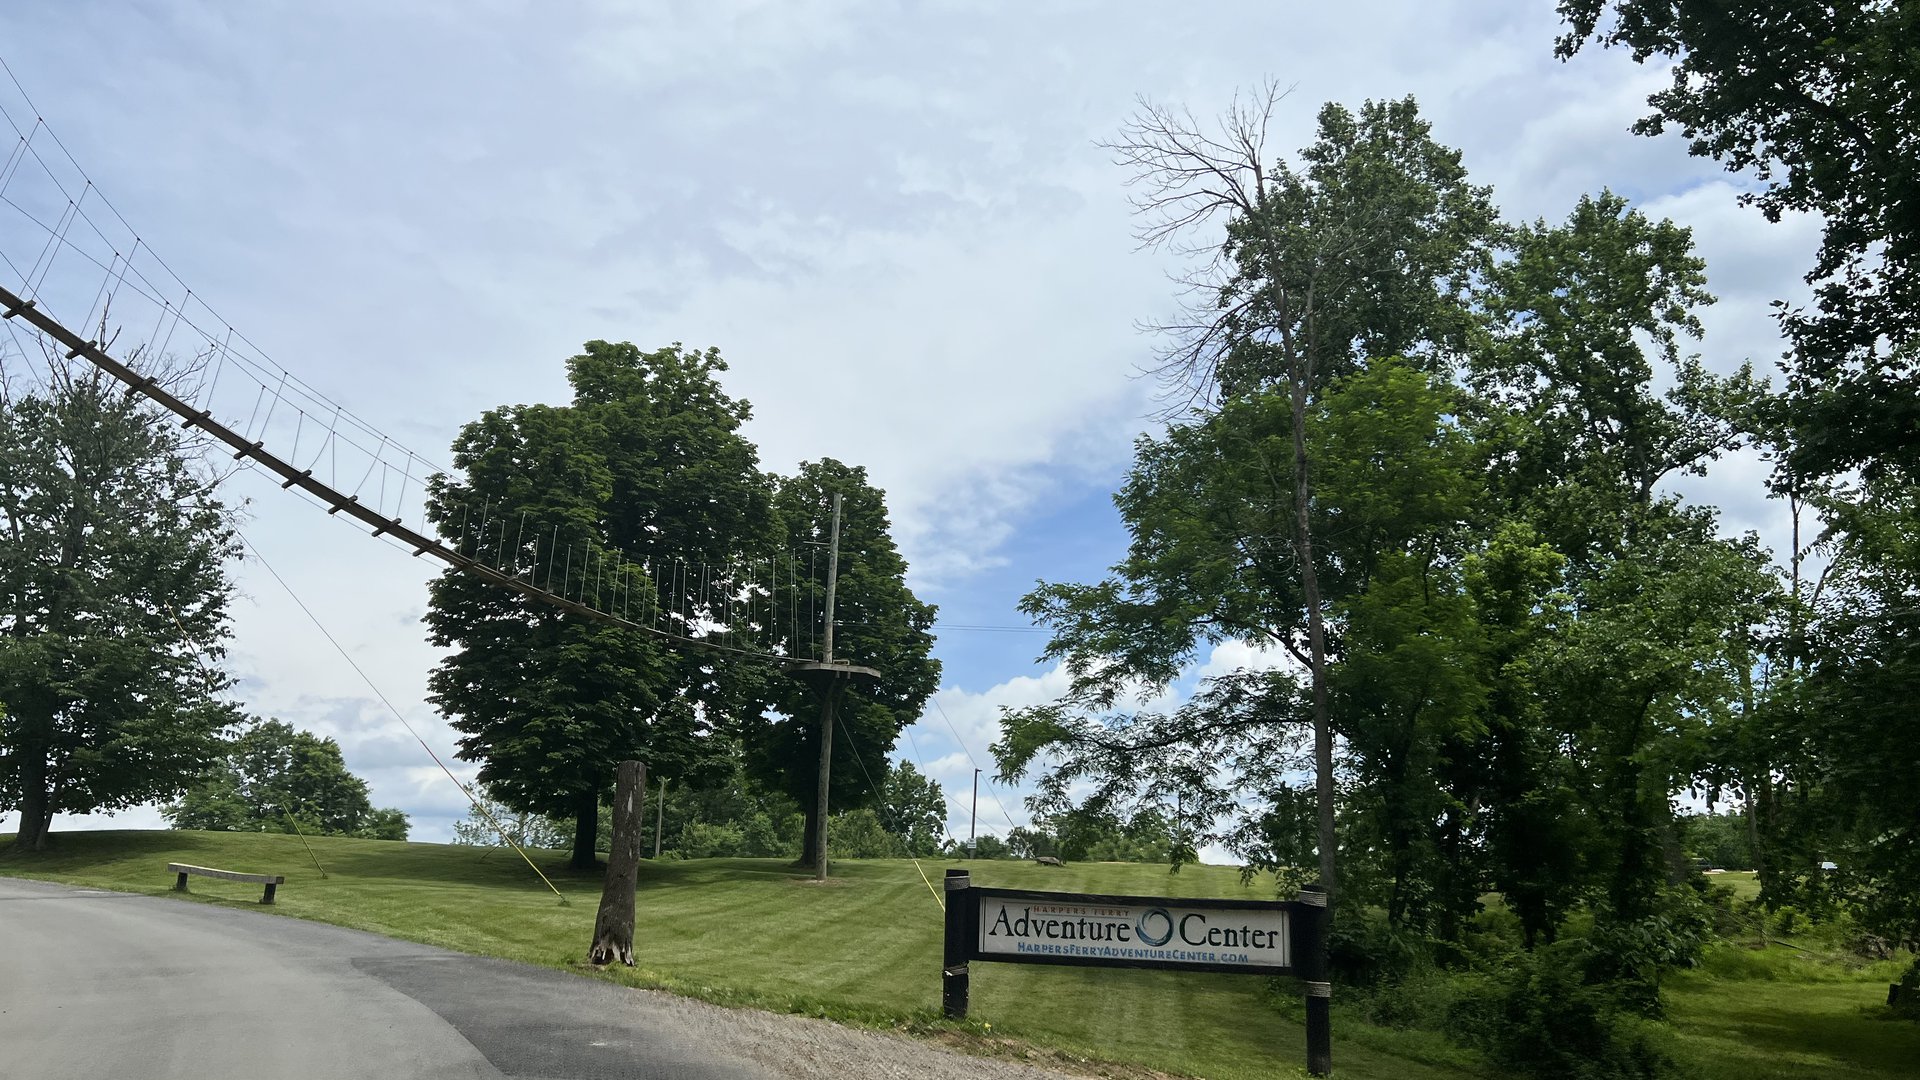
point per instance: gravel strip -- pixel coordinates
(805, 1048)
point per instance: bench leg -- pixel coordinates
(268, 899)
(181, 885)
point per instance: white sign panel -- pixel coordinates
(1158, 933)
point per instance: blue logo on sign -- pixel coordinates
(1157, 937)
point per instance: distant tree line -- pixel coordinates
(276, 778)
(732, 816)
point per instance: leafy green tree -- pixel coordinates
(766, 822)
(913, 808)
(1396, 480)
(1366, 250)
(113, 602)
(1816, 101)
(384, 823)
(1840, 721)
(1079, 836)
(1647, 657)
(1721, 840)
(1533, 835)
(648, 463)
(274, 776)
(879, 623)
(860, 834)
(988, 846)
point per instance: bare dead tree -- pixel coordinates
(1182, 179)
(1245, 292)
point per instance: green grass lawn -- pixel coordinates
(1744, 883)
(1770, 1015)
(866, 948)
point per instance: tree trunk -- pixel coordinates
(613, 926)
(586, 831)
(35, 811)
(1316, 628)
(810, 839)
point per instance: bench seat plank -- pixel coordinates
(226, 875)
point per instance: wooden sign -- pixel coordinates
(1247, 937)
(1023, 927)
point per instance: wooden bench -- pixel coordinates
(271, 881)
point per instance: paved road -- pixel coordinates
(96, 984)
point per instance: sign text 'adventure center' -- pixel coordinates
(1154, 932)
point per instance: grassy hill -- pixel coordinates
(866, 948)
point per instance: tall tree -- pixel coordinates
(1836, 722)
(1816, 101)
(1364, 250)
(276, 778)
(1203, 504)
(879, 623)
(1589, 320)
(113, 602)
(614, 496)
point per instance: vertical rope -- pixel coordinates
(295, 822)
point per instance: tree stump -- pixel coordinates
(613, 926)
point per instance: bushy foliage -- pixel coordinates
(1721, 841)
(489, 819)
(1907, 1002)
(1551, 1013)
(859, 834)
(1091, 836)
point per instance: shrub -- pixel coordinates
(859, 834)
(759, 839)
(701, 840)
(1788, 920)
(1364, 949)
(1908, 1003)
(1422, 1000)
(1546, 1015)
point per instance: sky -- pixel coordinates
(893, 219)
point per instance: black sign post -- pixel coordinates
(1249, 937)
(953, 972)
(1311, 948)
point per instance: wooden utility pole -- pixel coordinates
(660, 817)
(973, 819)
(827, 694)
(613, 926)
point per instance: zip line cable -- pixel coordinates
(206, 671)
(878, 790)
(295, 822)
(357, 670)
(920, 760)
(941, 709)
